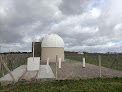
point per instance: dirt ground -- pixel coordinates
(74, 70)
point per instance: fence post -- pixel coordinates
(99, 58)
(56, 66)
(17, 60)
(117, 62)
(0, 66)
(86, 57)
(2, 69)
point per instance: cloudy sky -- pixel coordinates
(84, 25)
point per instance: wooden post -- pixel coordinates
(18, 60)
(0, 66)
(12, 65)
(2, 69)
(117, 62)
(86, 57)
(9, 65)
(1, 60)
(56, 66)
(113, 63)
(24, 59)
(99, 57)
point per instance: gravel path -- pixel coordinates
(73, 70)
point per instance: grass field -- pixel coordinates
(98, 84)
(105, 61)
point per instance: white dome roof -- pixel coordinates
(52, 40)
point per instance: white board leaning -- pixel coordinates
(33, 65)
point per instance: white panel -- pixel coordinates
(52, 40)
(59, 63)
(33, 64)
(83, 62)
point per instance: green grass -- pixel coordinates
(89, 85)
(105, 61)
(75, 57)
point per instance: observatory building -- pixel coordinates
(51, 46)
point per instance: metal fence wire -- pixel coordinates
(113, 61)
(13, 61)
(97, 65)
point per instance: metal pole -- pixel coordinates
(99, 64)
(33, 50)
(83, 62)
(56, 66)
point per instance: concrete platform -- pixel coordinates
(22, 70)
(45, 72)
(17, 73)
(29, 76)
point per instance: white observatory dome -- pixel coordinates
(52, 40)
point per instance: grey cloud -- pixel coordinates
(21, 21)
(73, 7)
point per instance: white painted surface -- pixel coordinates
(52, 40)
(43, 73)
(83, 62)
(47, 64)
(47, 61)
(33, 65)
(59, 63)
(17, 73)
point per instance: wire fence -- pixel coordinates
(113, 61)
(72, 68)
(13, 61)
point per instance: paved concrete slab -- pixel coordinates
(17, 73)
(73, 70)
(28, 75)
(45, 72)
